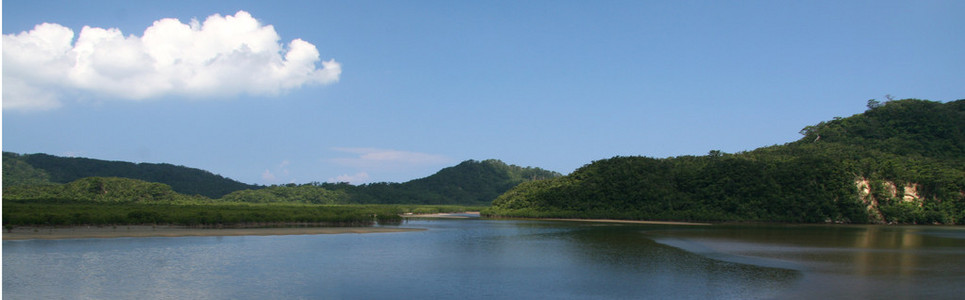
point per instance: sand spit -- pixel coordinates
(462, 215)
(631, 222)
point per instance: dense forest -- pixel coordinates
(898, 162)
(468, 183)
(31, 196)
(120, 201)
(37, 168)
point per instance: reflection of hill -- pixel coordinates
(902, 252)
(897, 253)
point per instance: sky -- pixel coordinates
(276, 92)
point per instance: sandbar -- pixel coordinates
(631, 221)
(85, 232)
(462, 215)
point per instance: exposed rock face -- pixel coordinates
(911, 194)
(864, 193)
(908, 194)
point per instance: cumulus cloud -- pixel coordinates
(221, 57)
(279, 172)
(384, 163)
(268, 175)
(385, 158)
(357, 178)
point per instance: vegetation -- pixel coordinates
(898, 162)
(74, 213)
(101, 190)
(18, 172)
(469, 183)
(31, 198)
(306, 194)
(908, 143)
(123, 201)
(44, 167)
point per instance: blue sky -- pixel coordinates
(401, 89)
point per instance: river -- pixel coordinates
(504, 259)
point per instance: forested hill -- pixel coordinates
(37, 168)
(898, 162)
(42, 176)
(905, 127)
(471, 182)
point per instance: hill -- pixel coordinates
(907, 127)
(35, 200)
(898, 162)
(468, 183)
(37, 168)
(99, 190)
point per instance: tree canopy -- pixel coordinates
(57, 169)
(46, 176)
(907, 143)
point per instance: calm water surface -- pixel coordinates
(487, 259)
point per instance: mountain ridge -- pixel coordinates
(471, 182)
(898, 144)
(57, 169)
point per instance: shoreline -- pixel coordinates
(93, 232)
(609, 221)
(631, 222)
(460, 215)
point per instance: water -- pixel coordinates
(500, 259)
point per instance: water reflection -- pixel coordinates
(672, 273)
(860, 261)
(499, 259)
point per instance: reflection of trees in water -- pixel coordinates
(870, 250)
(669, 271)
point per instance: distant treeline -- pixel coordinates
(908, 143)
(39, 168)
(53, 212)
(30, 197)
(124, 201)
(469, 183)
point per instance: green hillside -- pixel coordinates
(34, 168)
(34, 200)
(468, 183)
(18, 172)
(907, 127)
(99, 190)
(898, 162)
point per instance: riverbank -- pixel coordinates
(462, 215)
(87, 232)
(631, 222)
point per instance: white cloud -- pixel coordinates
(223, 56)
(383, 163)
(279, 172)
(385, 158)
(357, 178)
(268, 175)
